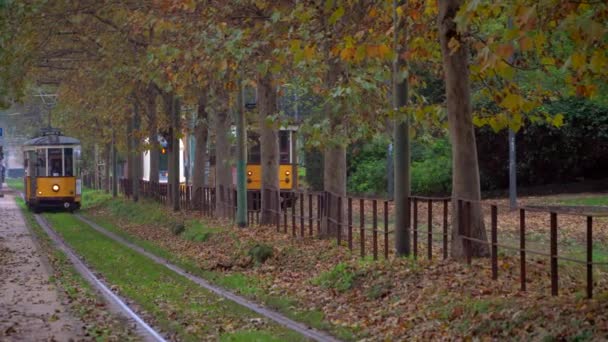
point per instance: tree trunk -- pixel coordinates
(97, 182)
(465, 174)
(223, 170)
(269, 151)
(153, 133)
(402, 144)
(174, 153)
(107, 163)
(135, 153)
(201, 132)
(334, 163)
(130, 168)
(114, 165)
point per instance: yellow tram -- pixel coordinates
(288, 162)
(52, 171)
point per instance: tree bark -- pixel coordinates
(465, 175)
(201, 133)
(269, 151)
(334, 164)
(402, 144)
(130, 169)
(152, 133)
(107, 163)
(334, 182)
(223, 170)
(174, 153)
(114, 165)
(135, 153)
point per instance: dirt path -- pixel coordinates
(30, 306)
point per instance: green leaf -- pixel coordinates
(338, 13)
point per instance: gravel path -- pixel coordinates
(30, 305)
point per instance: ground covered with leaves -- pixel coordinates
(331, 288)
(82, 300)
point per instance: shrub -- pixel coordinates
(197, 232)
(547, 154)
(260, 253)
(341, 278)
(177, 228)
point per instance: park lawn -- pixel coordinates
(15, 183)
(83, 301)
(591, 200)
(150, 215)
(360, 298)
(177, 305)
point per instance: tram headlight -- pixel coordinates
(249, 173)
(287, 173)
(55, 187)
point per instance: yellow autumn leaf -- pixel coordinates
(598, 62)
(512, 102)
(547, 61)
(578, 60)
(309, 52)
(383, 51)
(558, 120)
(347, 54)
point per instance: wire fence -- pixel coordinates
(366, 225)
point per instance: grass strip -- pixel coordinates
(240, 283)
(177, 304)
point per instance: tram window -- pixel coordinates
(253, 153)
(284, 147)
(41, 163)
(68, 162)
(55, 162)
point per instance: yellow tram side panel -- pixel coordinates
(44, 185)
(286, 177)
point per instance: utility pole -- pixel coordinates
(512, 155)
(402, 143)
(241, 186)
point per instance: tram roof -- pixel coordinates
(52, 140)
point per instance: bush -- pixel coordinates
(547, 154)
(197, 232)
(260, 253)
(341, 278)
(177, 228)
(431, 171)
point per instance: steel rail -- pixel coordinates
(268, 313)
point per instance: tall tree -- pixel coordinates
(269, 149)
(401, 137)
(465, 172)
(201, 133)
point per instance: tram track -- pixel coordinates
(277, 317)
(143, 329)
(116, 304)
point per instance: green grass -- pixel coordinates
(197, 231)
(83, 299)
(15, 183)
(93, 198)
(245, 285)
(177, 304)
(599, 200)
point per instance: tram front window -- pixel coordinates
(284, 147)
(55, 162)
(40, 163)
(68, 162)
